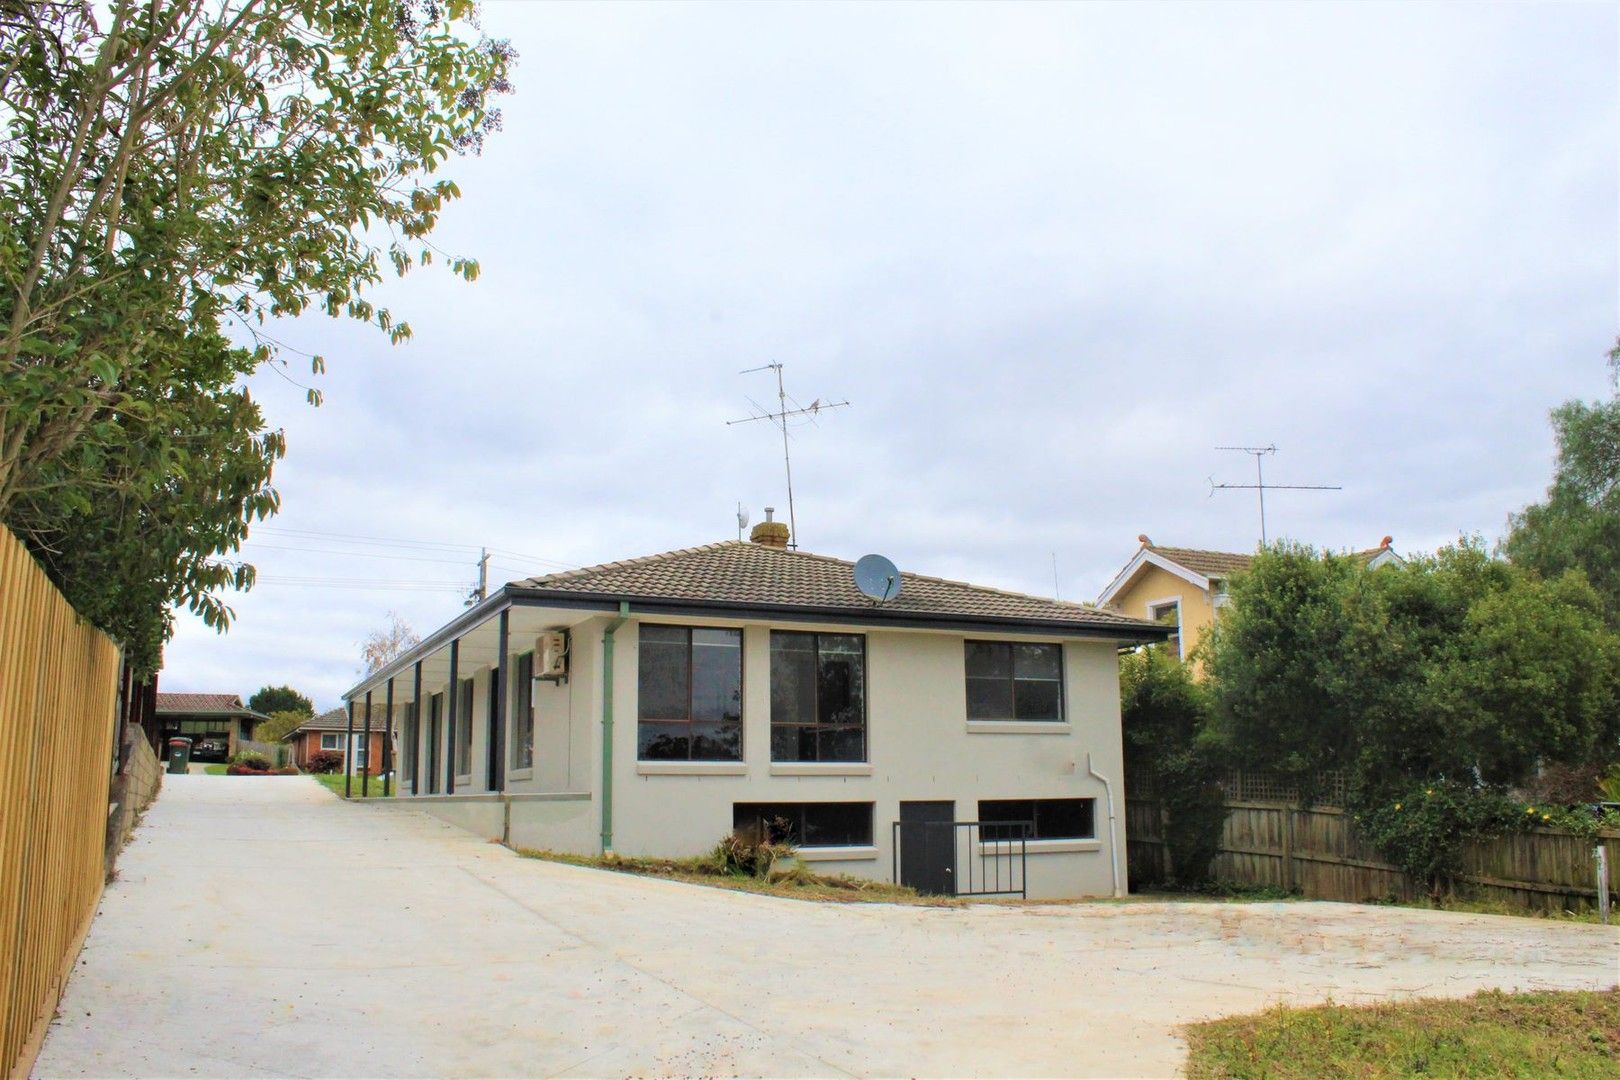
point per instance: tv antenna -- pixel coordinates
(1260, 486)
(780, 418)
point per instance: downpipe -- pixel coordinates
(1113, 830)
(608, 633)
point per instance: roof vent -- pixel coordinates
(770, 532)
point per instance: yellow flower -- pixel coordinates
(1430, 791)
(1397, 806)
(1530, 810)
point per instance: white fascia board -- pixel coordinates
(1145, 557)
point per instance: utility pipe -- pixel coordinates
(1113, 831)
(608, 632)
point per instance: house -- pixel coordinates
(330, 732)
(214, 723)
(1185, 588)
(650, 706)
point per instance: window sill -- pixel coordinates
(464, 781)
(691, 768)
(520, 774)
(821, 768)
(835, 854)
(1019, 727)
(1038, 847)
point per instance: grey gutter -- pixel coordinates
(1131, 630)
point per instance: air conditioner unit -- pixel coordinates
(551, 655)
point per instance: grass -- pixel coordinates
(794, 882)
(1227, 892)
(214, 770)
(334, 783)
(1492, 1034)
(1469, 906)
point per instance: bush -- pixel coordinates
(324, 761)
(252, 760)
(751, 852)
(1425, 827)
(237, 768)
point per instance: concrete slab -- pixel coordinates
(262, 927)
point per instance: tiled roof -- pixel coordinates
(755, 575)
(1208, 563)
(204, 704)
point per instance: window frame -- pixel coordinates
(466, 696)
(1011, 646)
(337, 736)
(815, 705)
(690, 721)
(1034, 817)
(1155, 612)
(800, 822)
(522, 691)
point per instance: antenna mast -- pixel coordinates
(1260, 486)
(780, 418)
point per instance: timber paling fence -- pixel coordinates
(59, 682)
(1272, 839)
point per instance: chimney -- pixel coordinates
(1386, 541)
(1143, 537)
(770, 533)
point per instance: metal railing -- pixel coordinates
(963, 858)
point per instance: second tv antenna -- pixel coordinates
(1260, 486)
(780, 418)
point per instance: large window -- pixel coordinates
(523, 712)
(689, 700)
(818, 697)
(1014, 681)
(836, 824)
(331, 740)
(1053, 819)
(464, 731)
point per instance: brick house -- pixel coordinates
(215, 723)
(330, 732)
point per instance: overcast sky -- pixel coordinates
(1052, 256)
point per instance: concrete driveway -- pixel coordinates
(261, 927)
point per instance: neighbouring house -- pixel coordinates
(330, 732)
(215, 723)
(650, 706)
(1185, 588)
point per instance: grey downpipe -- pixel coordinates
(611, 629)
(1113, 830)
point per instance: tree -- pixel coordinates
(279, 726)
(383, 645)
(1577, 527)
(1163, 715)
(274, 699)
(179, 171)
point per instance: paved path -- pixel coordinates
(261, 927)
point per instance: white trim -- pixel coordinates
(1143, 557)
(821, 768)
(835, 854)
(1181, 638)
(520, 774)
(692, 768)
(1019, 727)
(1385, 555)
(1039, 847)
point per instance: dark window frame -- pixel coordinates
(522, 738)
(746, 815)
(690, 721)
(818, 725)
(466, 695)
(1043, 827)
(1012, 681)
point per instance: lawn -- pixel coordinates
(215, 770)
(1567, 1034)
(334, 783)
(795, 882)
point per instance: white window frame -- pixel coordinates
(362, 752)
(1156, 609)
(337, 743)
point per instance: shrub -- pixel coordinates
(324, 761)
(252, 760)
(237, 768)
(751, 851)
(1424, 828)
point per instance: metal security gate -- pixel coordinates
(960, 858)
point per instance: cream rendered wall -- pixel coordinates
(566, 715)
(1154, 585)
(920, 747)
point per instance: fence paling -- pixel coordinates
(58, 697)
(1315, 849)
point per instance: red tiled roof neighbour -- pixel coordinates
(203, 704)
(740, 572)
(1208, 563)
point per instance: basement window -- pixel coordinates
(1053, 819)
(807, 825)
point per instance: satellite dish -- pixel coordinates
(877, 577)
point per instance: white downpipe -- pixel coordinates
(1113, 829)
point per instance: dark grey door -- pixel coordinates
(928, 847)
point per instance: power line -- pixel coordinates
(257, 546)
